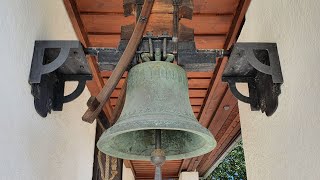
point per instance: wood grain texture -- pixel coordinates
(159, 23)
(210, 41)
(109, 41)
(215, 6)
(110, 6)
(231, 134)
(209, 24)
(77, 23)
(217, 89)
(200, 6)
(145, 170)
(107, 24)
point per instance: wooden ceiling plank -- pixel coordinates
(237, 23)
(234, 113)
(202, 42)
(158, 23)
(108, 24)
(209, 24)
(109, 41)
(227, 139)
(77, 23)
(184, 165)
(108, 110)
(222, 115)
(196, 101)
(215, 6)
(115, 6)
(126, 163)
(200, 6)
(210, 41)
(120, 103)
(198, 83)
(196, 109)
(107, 74)
(214, 95)
(74, 15)
(199, 75)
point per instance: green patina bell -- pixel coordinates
(157, 99)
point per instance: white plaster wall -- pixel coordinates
(59, 147)
(127, 173)
(286, 145)
(189, 176)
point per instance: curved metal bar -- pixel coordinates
(257, 64)
(237, 94)
(76, 93)
(55, 64)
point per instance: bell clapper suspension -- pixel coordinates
(158, 156)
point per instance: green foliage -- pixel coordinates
(232, 167)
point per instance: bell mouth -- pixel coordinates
(133, 139)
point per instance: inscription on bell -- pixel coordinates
(156, 98)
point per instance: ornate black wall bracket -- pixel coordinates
(54, 63)
(258, 65)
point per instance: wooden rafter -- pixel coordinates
(76, 21)
(215, 94)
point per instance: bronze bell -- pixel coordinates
(156, 99)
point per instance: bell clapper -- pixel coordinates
(158, 156)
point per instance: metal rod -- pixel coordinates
(164, 54)
(158, 174)
(157, 139)
(150, 48)
(175, 25)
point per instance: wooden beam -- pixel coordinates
(74, 15)
(120, 103)
(209, 24)
(209, 41)
(215, 6)
(104, 40)
(107, 24)
(216, 90)
(158, 23)
(164, 6)
(107, 109)
(229, 136)
(237, 23)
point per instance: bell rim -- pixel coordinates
(125, 127)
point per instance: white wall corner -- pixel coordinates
(127, 173)
(286, 145)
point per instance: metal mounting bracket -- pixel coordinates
(258, 65)
(54, 63)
